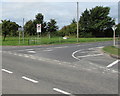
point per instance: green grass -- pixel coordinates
(14, 41)
(112, 50)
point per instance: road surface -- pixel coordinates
(59, 69)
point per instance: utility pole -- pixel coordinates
(77, 21)
(23, 31)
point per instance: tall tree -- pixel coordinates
(96, 20)
(40, 20)
(9, 28)
(85, 21)
(29, 28)
(69, 29)
(51, 26)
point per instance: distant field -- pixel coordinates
(112, 50)
(14, 41)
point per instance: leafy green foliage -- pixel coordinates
(9, 28)
(96, 21)
(51, 26)
(69, 30)
(30, 26)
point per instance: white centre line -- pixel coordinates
(61, 91)
(7, 71)
(26, 78)
(115, 62)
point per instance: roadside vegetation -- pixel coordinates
(45, 40)
(112, 50)
(94, 25)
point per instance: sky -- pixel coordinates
(62, 12)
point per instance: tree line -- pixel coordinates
(94, 22)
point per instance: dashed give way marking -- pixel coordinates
(31, 51)
(90, 55)
(28, 79)
(61, 91)
(7, 71)
(115, 62)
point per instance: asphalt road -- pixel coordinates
(59, 69)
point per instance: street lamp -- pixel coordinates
(114, 28)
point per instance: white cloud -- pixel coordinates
(63, 12)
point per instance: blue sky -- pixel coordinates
(62, 12)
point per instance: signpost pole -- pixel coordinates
(23, 30)
(114, 28)
(19, 30)
(39, 31)
(19, 37)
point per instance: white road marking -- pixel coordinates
(100, 47)
(47, 50)
(26, 78)
(14, 54)
(56, 60)
(73, 54)
(90, 55)
(61, 91)
(7, 71)
(61, 47)
(20, 55)
(90, 48)
(82, 52)
(33, 58)
(115, 62)
(31, 51)
(26, 56)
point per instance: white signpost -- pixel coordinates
(114, 28)
(20, 30)
(38, 28)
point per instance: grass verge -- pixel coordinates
(14, 41)
(112, 50)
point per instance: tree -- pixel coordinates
(9, 28)
(69, 29)
(40, 20)
(31, 26)
(52, 27)
(96, 21)
(85, 21)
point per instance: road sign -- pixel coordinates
(38, 28)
